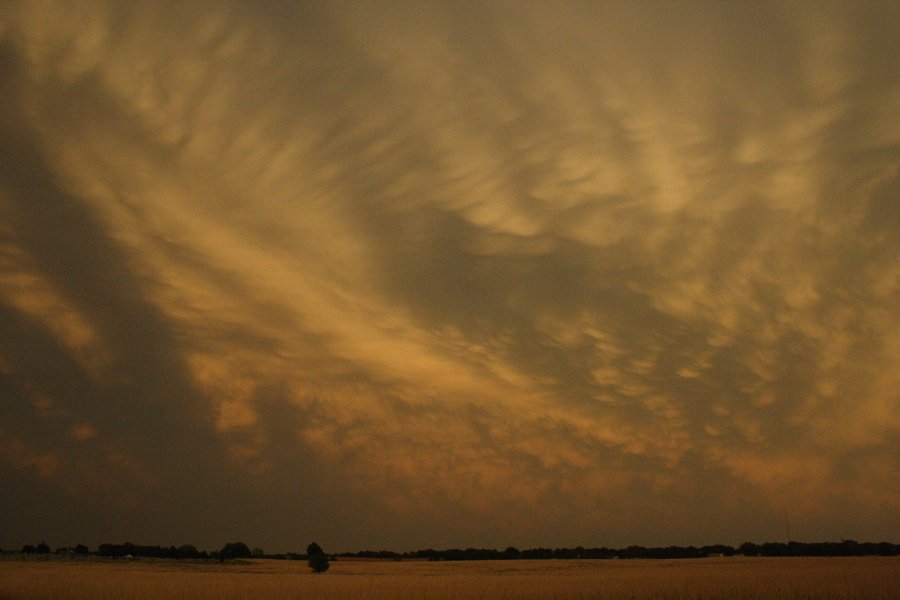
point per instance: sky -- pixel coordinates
(404, 275)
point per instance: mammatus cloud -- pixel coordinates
(501, 273)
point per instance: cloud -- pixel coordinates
(475, 261)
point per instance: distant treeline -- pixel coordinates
(842, 548)
(231, 550)
(234, 550)
(128, 549)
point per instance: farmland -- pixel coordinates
(737, 578)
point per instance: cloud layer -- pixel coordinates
(428, 275)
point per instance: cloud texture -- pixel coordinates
(418, 274)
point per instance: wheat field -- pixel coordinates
(736, 578)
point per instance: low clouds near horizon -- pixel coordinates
(480, 274)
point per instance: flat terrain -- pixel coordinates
(736, 578)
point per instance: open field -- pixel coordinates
(737, 578)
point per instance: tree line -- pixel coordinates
(318, 559)
(842, 548)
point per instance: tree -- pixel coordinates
(749, 549)
(318, 560)
(235, 550)
(187, 551)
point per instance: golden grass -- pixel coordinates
(869, 578)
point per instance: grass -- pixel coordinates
(737, 578)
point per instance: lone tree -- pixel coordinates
(234, 550)
(318, 560)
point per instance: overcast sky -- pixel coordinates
(447, 274)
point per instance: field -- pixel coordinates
(736, 578)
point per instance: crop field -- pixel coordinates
(736, 578)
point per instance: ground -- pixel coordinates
(735, 578)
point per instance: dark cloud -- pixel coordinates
(448, 275)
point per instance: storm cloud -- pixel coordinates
(476, 274)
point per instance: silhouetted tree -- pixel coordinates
(749, 549)
(235, 550)
(318, 560)
(187, 551)
(42, 548)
